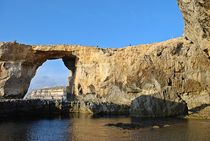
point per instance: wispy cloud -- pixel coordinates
(51, 73)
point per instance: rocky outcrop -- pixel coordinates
(158, 105)
(32, 107)
(97, 107)
(19, 64)
(177, 68)
(197, 22)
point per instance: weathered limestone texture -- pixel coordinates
(178, 70)
(155, 106)
(197, 22)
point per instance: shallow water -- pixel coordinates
(88, 128)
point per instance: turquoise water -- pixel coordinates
(89, 128)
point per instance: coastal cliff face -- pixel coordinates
(172, 73)
(196, 14)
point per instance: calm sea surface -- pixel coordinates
(88, 128)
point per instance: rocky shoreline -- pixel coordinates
(32, 107)
(37, 107)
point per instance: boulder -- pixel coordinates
(158, 105)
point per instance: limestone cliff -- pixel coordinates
(176, 71)
(197, 22)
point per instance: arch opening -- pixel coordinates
(54, 79)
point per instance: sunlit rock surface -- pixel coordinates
(197, 22)
(177, 68)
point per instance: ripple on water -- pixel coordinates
(88, 128)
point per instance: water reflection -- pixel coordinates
(88, 128)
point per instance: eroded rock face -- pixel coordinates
(177, 68)
(158, 105)
(197, 21)
(17, 66)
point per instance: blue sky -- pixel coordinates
(105, 23)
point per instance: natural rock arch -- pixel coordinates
(179, 66)
(19, 72)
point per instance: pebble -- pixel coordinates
(155, 127)
(166, 125)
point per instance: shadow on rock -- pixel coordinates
(158, 105)
(199, 108)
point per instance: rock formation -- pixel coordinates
(30, 107)
(178, 70)
(158, 105)
(196, 14)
